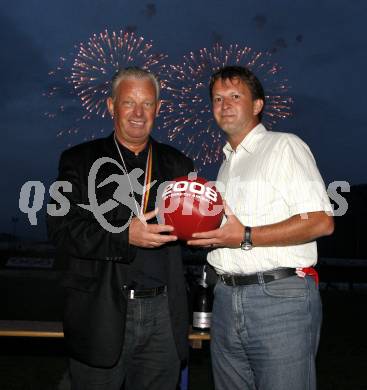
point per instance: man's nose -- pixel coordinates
(138, 110)
(226, 103)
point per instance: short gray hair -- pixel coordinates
(134, 72)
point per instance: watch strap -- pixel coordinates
(248, 236)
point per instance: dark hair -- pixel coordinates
(133, 72)
(244, 74)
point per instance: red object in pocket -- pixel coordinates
(311, 272)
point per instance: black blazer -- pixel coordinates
(95, 306)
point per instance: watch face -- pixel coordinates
(246, 246)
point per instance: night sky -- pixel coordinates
(320, 44)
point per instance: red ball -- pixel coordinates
(191, 206)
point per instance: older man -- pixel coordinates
(267, 309)
(125, 317)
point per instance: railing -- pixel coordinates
(53, 329)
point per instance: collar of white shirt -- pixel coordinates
(250, 141)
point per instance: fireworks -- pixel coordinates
(187, 115)
(98, 60)
(82, 80)
(81, 84)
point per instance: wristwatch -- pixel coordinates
(246, 244)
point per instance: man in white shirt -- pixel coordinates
(267, 312)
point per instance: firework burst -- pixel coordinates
(82, 80)
(187, 115)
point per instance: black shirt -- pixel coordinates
(148, 269)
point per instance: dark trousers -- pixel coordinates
(148, 359)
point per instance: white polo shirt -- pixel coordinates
(270, 177)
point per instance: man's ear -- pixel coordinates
(110, 106)
(258, 106)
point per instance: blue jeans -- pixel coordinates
(265, 336)
(149, 358)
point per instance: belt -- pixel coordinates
(267, 276)
(145, 293)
